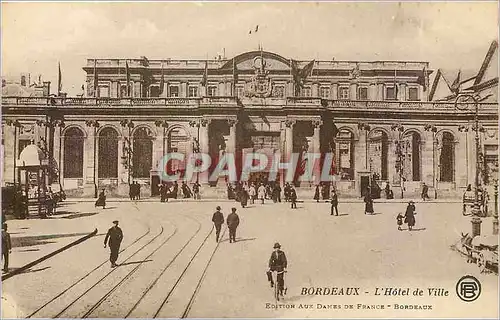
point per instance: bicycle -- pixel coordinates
(276, 288)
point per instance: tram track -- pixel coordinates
(148, 231)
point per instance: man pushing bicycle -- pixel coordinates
(278, 263)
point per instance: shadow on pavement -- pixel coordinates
(29, 250)
(41, 239)
(28, 270)
(239, 240)
(80, 215)
(133, 262)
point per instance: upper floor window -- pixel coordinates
(192, 91)
(103, 92)
(306, 92)
(173, 91)
(239, 91)
(344, 93)
(390, 93)
(212, 91)
(324, 92)
(413, 94)
(154, 91)
(363, 93)
(279, 91)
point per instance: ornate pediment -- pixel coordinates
(247, 60)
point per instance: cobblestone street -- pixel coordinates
(169, 247)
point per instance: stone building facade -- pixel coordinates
(375, 117)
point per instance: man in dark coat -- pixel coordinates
(277, 191)
(218, 220)
(425, 192)
(175, 190)
(278, 263)
(115, 237)
(6, 247)
(410, 215)
(293, 198)
(316, 193)
(334, 201)
(368, 202)
(243, 197)
(232, 223)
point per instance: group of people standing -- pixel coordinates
(175, 192)
(134, 191)
(243, 192)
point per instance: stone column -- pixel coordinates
(222, 89)
(290, 91)
(392, 175)
(314, 90)
(380, 91)
(427, 160)
(91, 161)
(401, 92)
(372, 92)
(353, 94)
(288, 139)
(57, 148)
(360, 151)
(461, 161)
(204, 146)
(317, 150)
(231, 142)
(334, 88)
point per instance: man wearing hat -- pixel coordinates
(218, 220)
(232, 223)
(6, 247)
(277, 263)
(115, 236)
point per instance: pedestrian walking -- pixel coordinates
(399, 219)
(101, 200)
(425, 190)
(277, 191)
(368, 202)
(334, 202)
(232, 223)
(186, 192)
(137, 190)
(316, 193)
(252, 193)
(6, 247)
(113, 239)
(262, 193)
(243, 197)
(196, 191)
(410, 215)
(293, 198)
(131, 191)
(218, 220)
(278, 263)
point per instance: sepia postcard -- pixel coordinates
(250, 160)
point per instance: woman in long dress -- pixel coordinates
(368, 203)
(410, 215)
(101, 200)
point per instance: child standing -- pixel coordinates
(399, 218)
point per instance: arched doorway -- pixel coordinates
(378, 147)
(142, 155)
(177, 141)
(343, 149)
(447, 158)
(73, 153)
(108, 153)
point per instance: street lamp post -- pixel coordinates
(432, 128)
(94, 124)
(476, 220)
(399, 154)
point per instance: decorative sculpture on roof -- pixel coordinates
(261, 83)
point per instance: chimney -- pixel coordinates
(46, 88)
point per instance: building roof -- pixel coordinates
(17, 90)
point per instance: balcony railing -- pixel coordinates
(228, 101)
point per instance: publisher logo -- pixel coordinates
(468, 288)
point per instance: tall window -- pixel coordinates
(378, 148)
(390, 93)
(447, 158)
(173, 91)
(108, 154)
(413, 94)
(192, 91)
(324, 92)
(240, 91)
(363, 93)
(73, 153)
(155, 91)
(142, 156)
(343, 93)
(306, 92)
(344, 155)
(212, 91)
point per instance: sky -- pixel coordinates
(37, 36)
